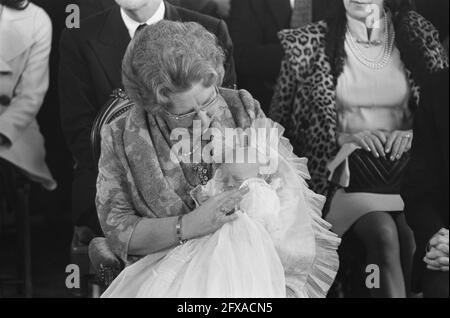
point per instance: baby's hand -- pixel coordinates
(202, 198)
(199, 195)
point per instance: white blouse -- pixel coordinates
(370, 99)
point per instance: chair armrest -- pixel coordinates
(105, 264)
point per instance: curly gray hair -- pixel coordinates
(167, 58)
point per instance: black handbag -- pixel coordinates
(369, 174)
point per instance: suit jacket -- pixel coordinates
(25, 43)
(90, 69)
(254, 25)
(426, 184)
(58, 154)
(203, 6)
(89, 8)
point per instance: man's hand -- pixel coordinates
(223, 8)
(437, 258)
(441, 241)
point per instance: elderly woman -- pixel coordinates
(145, 204)
(347, 92)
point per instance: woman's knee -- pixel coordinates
(379, 235)
(386, 239)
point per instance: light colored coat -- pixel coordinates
(25, 44)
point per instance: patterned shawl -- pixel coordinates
(138, 179)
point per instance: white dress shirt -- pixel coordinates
(132, 25)
(292, 3)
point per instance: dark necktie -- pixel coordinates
(140, 28)
(301, 14)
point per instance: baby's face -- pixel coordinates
(236, 173)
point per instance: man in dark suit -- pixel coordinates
(254, 25)
(90, 69)
(90, 8)
(426, 189)
(215, 8)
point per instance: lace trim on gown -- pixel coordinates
(326, 260)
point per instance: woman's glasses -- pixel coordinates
(205, 107)
(210, 102)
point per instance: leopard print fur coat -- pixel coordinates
(304, 101)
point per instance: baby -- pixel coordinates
(261, 203)
(240, 259)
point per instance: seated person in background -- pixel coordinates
(254, 25)
(345, 93)
(149, 209)
(426, 188)
(90, 69)
(26, 38)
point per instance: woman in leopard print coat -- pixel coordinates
(305, 103)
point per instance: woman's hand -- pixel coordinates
(370, 140)
(213, 214)
(399, 143)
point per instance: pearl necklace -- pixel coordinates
(382, 60)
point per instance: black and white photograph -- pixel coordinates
(224, 154)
